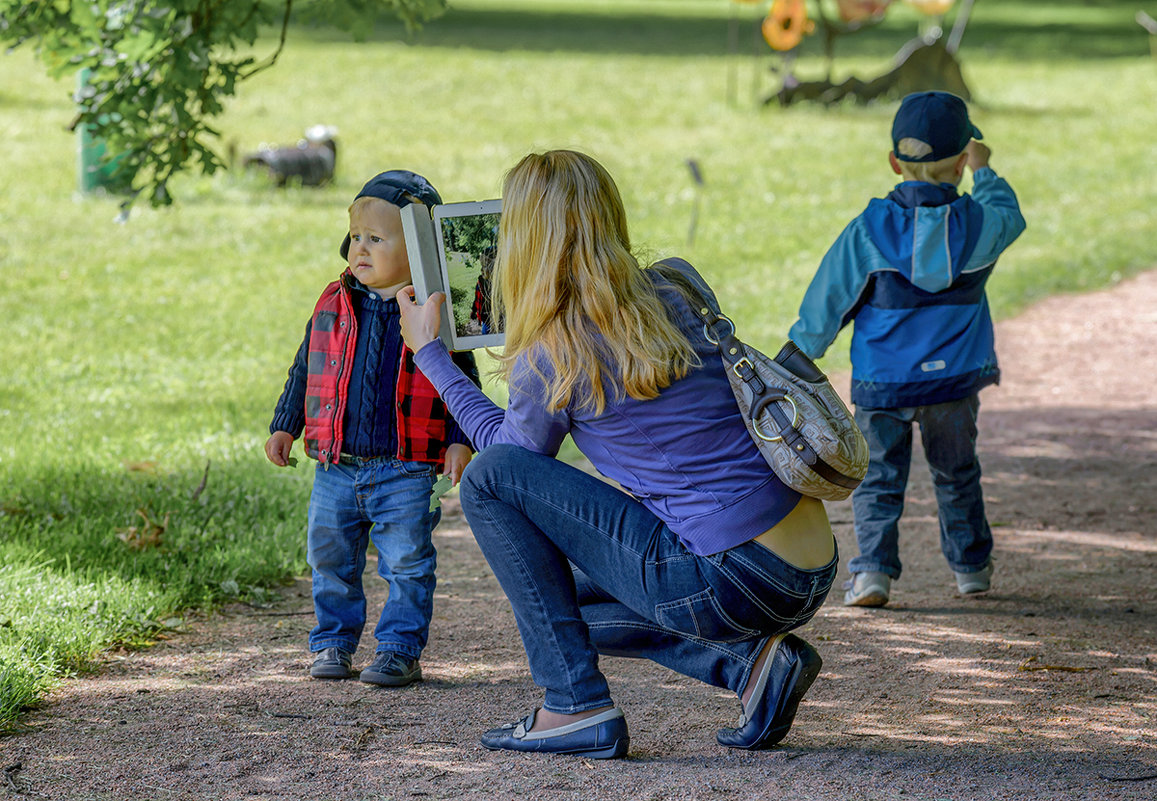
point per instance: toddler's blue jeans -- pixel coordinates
(948, 433)
(387, 501)
(589, 570)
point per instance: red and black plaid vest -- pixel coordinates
(421, 417)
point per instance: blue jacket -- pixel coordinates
(686, 455)
(911, 271)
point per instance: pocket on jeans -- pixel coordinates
(701, 616)
(416, 469)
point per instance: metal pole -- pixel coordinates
(697, 177)
(958, 26)
(732, 52)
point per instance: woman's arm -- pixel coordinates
(525, 421)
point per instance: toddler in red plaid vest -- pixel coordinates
(380, 434)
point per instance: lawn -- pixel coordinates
(141, 361)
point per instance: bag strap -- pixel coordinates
(717, 328)
(720, 331)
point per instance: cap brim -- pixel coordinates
(976, 134)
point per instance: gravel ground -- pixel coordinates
(1045, 688)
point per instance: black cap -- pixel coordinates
(396, 187)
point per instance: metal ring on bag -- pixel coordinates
(707, 331)
(777, 438)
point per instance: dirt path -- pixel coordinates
(1044, 689)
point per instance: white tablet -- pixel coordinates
(452, 249)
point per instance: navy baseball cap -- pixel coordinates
(396, 187)
(931, 126)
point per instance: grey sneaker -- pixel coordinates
(972, 583)
(867, 589)
(391, 669)
(332, 663)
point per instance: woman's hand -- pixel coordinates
(457, 457)
(419, 323)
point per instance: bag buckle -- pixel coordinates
(794, 421)
(707, 331)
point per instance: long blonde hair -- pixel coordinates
(568, 288)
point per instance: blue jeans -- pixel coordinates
(948, 432)
(388, 501)
(590, 570)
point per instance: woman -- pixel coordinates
(705, 561)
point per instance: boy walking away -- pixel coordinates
(910, 271)
(379, 432)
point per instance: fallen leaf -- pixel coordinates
(1027, 665)
(144, 536)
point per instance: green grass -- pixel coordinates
(135, 354)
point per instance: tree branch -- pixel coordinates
(280, 45)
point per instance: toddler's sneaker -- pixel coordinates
(972, 583)
(332, 663)
(391, 669)
(867, 589)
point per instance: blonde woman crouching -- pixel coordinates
(703, 561)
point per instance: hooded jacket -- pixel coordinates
(911, 272)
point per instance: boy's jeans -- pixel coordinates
(545, 527)
(388, 501)
(948, 432)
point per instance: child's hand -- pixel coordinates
(978, 154)
(457, 457)
(277, 447)
(420, 324)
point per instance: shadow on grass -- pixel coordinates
(1113, 35)
(210, 535)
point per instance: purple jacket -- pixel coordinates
(686, 455)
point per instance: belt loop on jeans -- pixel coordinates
(358, 461)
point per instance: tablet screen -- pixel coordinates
(467, 237)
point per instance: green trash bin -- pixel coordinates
(95, 174)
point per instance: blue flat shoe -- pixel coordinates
(789, 670)
(602, 736)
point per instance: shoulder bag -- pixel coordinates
(795, 417)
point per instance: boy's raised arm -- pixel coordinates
(1003, 222)
(833, 293)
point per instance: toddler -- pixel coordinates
(379, 433)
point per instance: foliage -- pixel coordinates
(472, 234)
(155, 73)
(460, 299)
